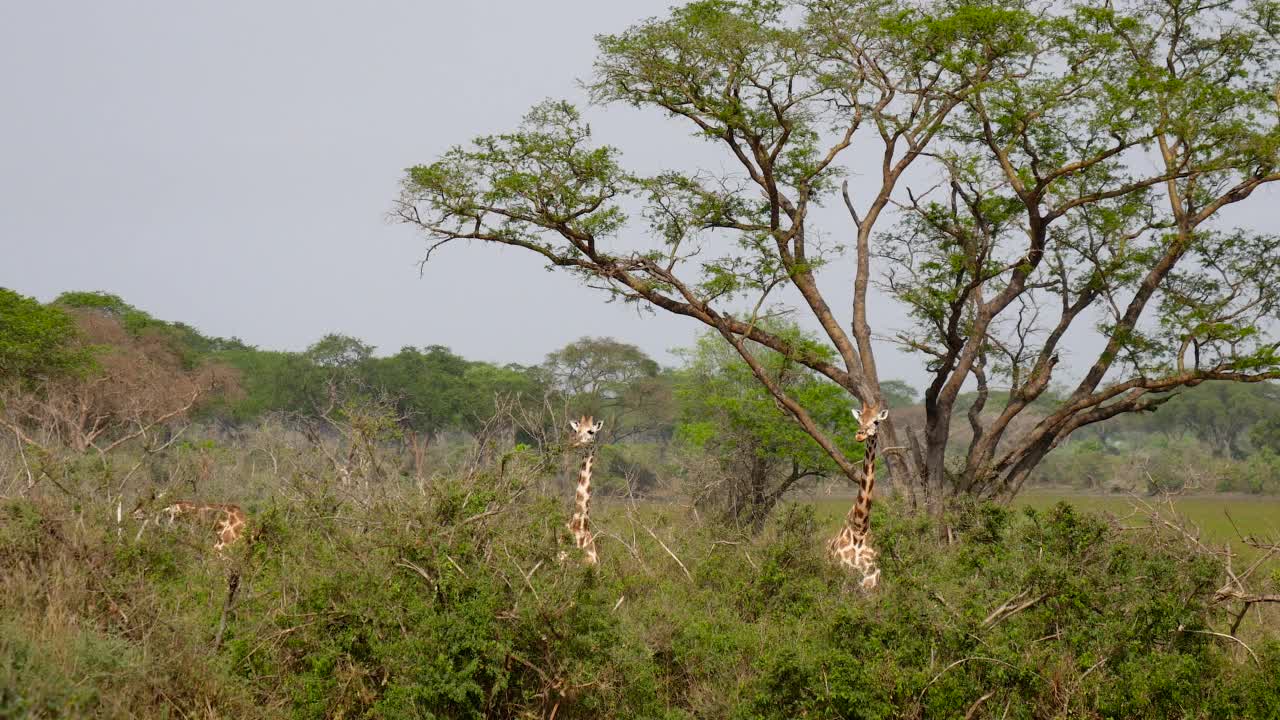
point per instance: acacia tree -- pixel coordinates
(1081, 156)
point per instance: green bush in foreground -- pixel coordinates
(451, 603)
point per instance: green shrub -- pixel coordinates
(448, 601)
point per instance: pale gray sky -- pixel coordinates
(229, 164)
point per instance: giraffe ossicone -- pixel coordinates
(851, 547)
(585, 430)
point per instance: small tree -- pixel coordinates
(762, 450)
(1039, 125)
(613, 381)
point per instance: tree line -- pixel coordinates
(90, 371)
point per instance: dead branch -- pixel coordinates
(673, 555)
(1011, 607)
(1224, 635)
(973, 709)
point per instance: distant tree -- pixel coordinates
(613, 381)
(763, 453)
(339, 352)
(1266, 434)
(1080, 158)
(595, 370)
(1221, 414)
(1259, 473)
(489, 385)
(898, 393)
(429, 386)
(272, 381)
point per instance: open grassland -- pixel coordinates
(1218, 520)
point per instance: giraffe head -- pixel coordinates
(869, 419)
(584, 430)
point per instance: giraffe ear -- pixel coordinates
(574, 425)
(856, 417)
(599, 424)
(883, 414)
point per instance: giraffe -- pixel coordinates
(228, 521)
(851, 546)
(584, 435)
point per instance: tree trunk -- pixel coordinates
(904, 460)
(758, 502)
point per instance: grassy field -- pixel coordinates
(1217, 517)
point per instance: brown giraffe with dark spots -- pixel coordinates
(584, 435)
(851, 547)
(228, 522)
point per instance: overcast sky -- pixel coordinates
(230, 164)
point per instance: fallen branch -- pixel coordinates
(962, 661)
(1254, 598)
(1229, 637)
(973, 709)
(457, 566)
(425, 576)
(1011, 607)
(673, 555)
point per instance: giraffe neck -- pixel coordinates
(580, 523)
(851, 547)
(859, 517)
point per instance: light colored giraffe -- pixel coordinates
(584, 435)
(851, 547)
(227, 521)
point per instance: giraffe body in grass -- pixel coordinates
(228, 522)
(851, 547)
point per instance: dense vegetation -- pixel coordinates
(438, 594)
